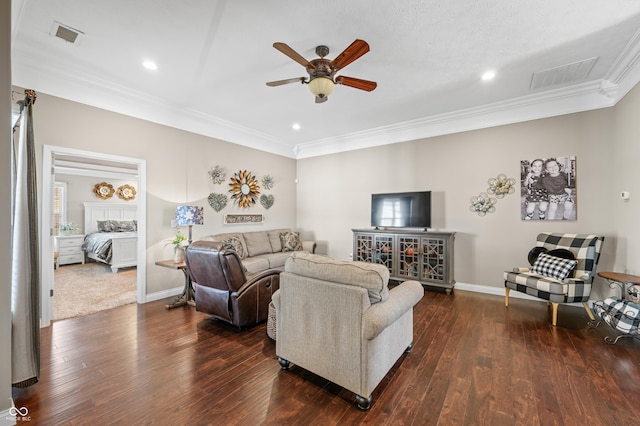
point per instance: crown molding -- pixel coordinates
(86, 88)
(577, 98)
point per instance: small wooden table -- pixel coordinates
(626, 282)
(187, 296)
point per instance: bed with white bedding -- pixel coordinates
(111, 234)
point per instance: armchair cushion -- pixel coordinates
(552, 266)
(371, 276)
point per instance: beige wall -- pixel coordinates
(626, 214)
(177, 166)
(5, 208)
(334, 191)
(80, 190)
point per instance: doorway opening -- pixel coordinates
(83, 165)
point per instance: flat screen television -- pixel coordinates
(401, 210)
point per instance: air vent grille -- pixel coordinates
(66, 33)
(570, 73)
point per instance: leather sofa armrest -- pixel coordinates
(309, 246)
(253, 278)
(381, 315)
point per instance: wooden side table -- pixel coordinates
(629, 284)
(187, 296)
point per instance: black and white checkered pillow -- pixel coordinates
(554, 267)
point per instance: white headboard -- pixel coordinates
(93, 212)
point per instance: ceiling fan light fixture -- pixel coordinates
(321, 86)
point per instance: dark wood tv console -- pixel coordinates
(409, 254)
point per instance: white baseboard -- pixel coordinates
(152, 297)
(7, 417)
(499, 291)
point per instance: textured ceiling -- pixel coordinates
(214, 58)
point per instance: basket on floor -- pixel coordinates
(271, 321)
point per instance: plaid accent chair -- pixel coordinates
(575, 288)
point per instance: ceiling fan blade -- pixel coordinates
(322, 99)
(284, 48)
(357, 83)
(287, 81)
(350, 54)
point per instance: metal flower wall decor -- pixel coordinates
(501, 186)
(483, 204)
(217, 175)
(244, 189)
(267, 182)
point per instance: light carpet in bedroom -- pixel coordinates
(92, 287)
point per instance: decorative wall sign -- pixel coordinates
(266, 201)
(548, 188)
(126, 192)
(244, 189)
(217, 175)
(217, 201)
(234, 219)
(267, 182)
(104, 190)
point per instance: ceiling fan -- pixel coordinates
(321, 71)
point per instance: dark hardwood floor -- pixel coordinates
(473, 363)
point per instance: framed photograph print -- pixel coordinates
(548, 188)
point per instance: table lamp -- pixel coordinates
(189, 215)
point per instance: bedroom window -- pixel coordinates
(59, 206)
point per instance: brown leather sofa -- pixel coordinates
(223, 288)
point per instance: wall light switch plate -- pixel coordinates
(625, 195)
(173, 223)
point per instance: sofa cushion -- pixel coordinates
(277, 260)
(257, 243)
(253, 265)
(372, 276)
(290, 241)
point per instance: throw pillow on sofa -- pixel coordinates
(290, 241)
(234, 243)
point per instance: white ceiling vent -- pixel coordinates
(570, 73)
(66, 33)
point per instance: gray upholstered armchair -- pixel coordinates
(340, 321)
(554, 276)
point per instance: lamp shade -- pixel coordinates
(189, 215)
(321, 86)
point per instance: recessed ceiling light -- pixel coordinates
(488, 75)
(296, 126)
(150, 65)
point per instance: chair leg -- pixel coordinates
(586, 308)
(506, 297)
(554, 314)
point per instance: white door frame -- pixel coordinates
(46, 227)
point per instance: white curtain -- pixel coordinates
(25, 270)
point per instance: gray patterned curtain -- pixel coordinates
(25, 268)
